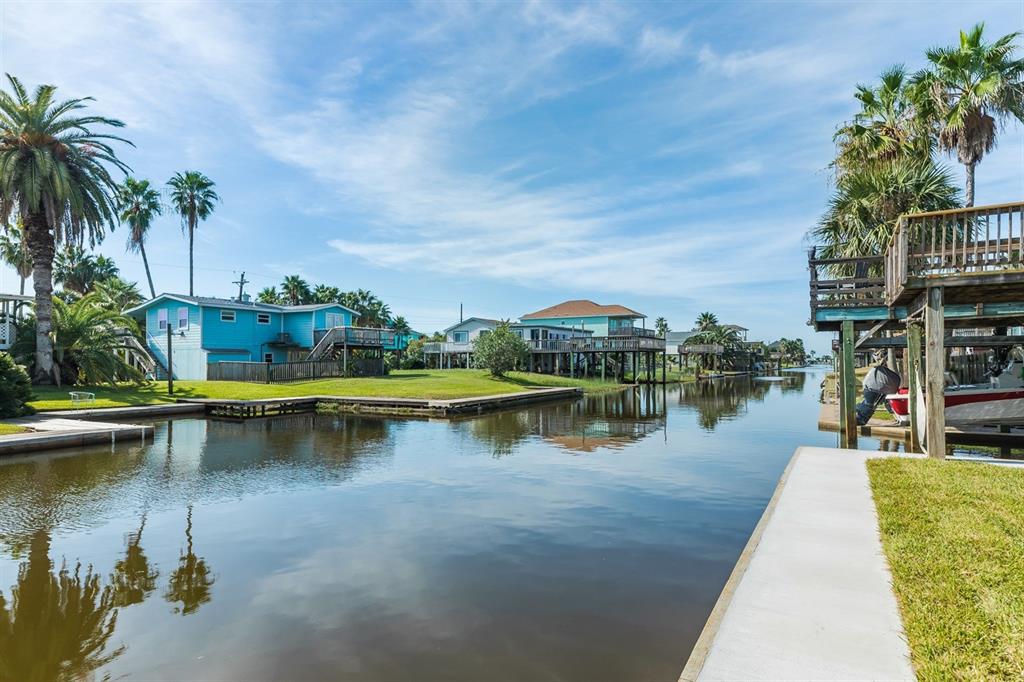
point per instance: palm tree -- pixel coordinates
(887, 127)
(661, 326)
(706, 321)
(117, 294)
(268, 295)
(295, 290)
(54, 176)
(323, 293)
(92, 343)
(193, 197)
(971, 89)
(14, 251)
(79, 271)
(868, 202)
(400, 325)
(139, 204)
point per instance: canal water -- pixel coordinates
(584, 541)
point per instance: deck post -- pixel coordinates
(170, 363)
(664, 368)
(847, 388)
(913, 382)
(935, 375)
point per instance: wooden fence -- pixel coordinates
(282, 372)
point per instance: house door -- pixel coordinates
(335, 320)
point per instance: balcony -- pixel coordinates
(355, 336)
(633, 331)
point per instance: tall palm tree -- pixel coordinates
(54, 175)
(193, 197)
(79, 271)
(139, 204)
(971, 89)
(295, 290)
(14, 252)
(323, 293)
(706, 321)
(661, 326)
(887, 127)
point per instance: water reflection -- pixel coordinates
(724, 399)
(134, 578)
(57, 624)
(606, 421)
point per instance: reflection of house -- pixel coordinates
(575, 337)
(205, 331)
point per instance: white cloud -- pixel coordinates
(659, 45)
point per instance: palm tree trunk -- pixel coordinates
(41, 246)
(21, 287)
(970, 183)
(145, 264)
(191, 239)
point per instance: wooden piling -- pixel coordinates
(847, 388)
(913, 383)
(935, 374)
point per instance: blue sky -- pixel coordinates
(668, 157)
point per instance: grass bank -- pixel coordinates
(10, 429)
(431, 384)
(954, 536)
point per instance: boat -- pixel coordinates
(1001, 403)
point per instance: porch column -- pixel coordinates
(913, 382)
(935, 380)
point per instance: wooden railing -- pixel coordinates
(963, 242)
(632, 331)
(280, 372)
(353, 336)
(845, 282)
(447, 347)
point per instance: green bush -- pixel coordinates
(500, 351)
(15, 389)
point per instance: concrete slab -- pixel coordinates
(50, 432)
(811, 596)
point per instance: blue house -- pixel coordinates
(210, 330)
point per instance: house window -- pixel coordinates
(460, 337)
(268, 357)
(335, 320)
(182, 318)
(262, 318)
(161, 319)
(227, 315)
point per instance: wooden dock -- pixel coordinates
(828, 420)
(52, 432)
(248, 409)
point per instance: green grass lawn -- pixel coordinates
(954, 536)
(9, 429)
(436, 384)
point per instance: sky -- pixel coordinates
(669, 157)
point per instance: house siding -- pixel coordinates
(472, 327)
(599, 324)
(186, 345)
(300, 326)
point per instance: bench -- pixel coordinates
(82, 398)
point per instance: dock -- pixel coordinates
(247, 409)
(52, 432)
(828, 420)
(810, 596)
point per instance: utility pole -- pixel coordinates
(460, 313)
(241, 282)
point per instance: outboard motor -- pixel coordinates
(878, 382)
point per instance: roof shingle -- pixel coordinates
(581, 308)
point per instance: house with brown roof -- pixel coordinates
(602, 320)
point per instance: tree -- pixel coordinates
(91, 343)
(867, 203)
(706, 321)
(400, 325)
(193, 197)
(501, 350)
(117, 294)
(661, 326)
(972, 88)
(54, 176)
(323, 293)
(268, 295)
(139, 204)
(14, 252)
(887, 127)
(295, 290)
(371, 311)
(79, 271)
(412, 357)
(15, 389)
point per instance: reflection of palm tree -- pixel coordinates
(56, 626)
(132, 579)
(191, 581)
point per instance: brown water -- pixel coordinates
(583, 541)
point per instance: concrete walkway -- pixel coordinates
(811, 595)
(49, 432)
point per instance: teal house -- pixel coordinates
(601, 320)
(207, 330)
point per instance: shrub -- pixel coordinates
(15, 388)
(500, 351)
